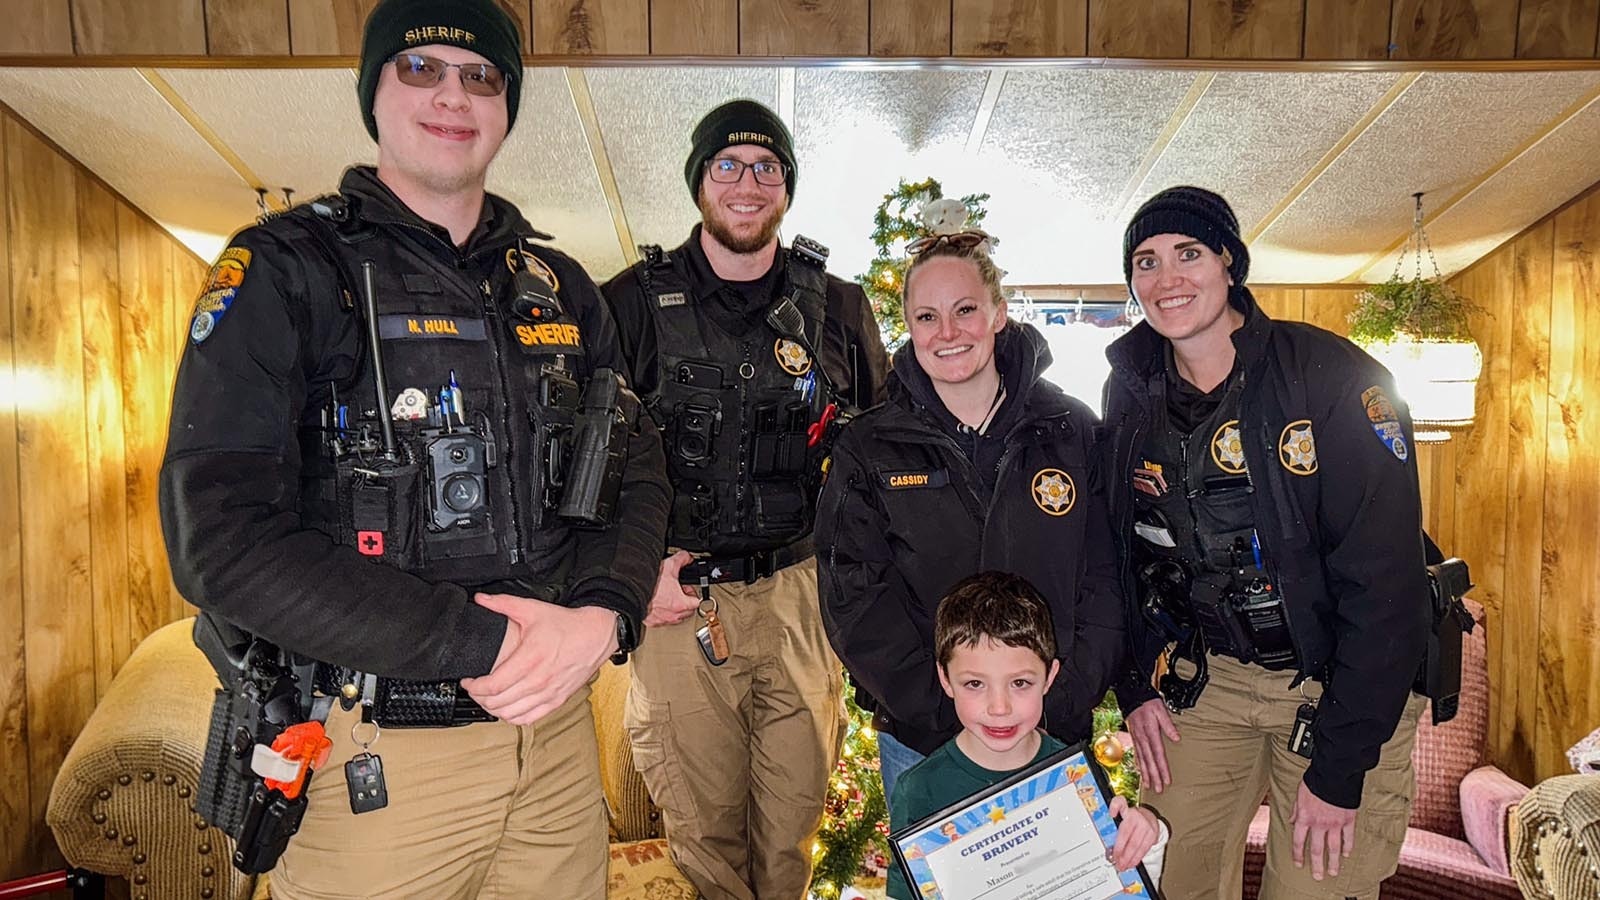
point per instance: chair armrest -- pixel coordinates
(123, 801)
(1488, 796)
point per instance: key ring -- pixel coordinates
(702, 609)
(376, 731)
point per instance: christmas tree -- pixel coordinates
(897, 222)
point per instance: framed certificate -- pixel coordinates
(1042, 833)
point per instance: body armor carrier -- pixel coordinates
(737, 412)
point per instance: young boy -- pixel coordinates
(996, 658)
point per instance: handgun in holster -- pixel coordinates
(1439, 677)
(260, 750)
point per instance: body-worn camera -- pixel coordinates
(457, 481)
(695, 426)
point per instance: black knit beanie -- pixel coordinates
(477, 25)
(733, 123)
(1195, 212)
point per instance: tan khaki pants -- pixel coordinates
(481, 811)
(1233, 751)
(738, 756)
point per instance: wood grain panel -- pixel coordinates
(47, 328)
(102, 385)
(1569, 629)
(1454, 29)
(1557, 29)
(1527, 412)
(1155, 29)
(1284, 304)
(1246, 29)
(581, 27)
(247, 27)
(694, 27)
(15, 804)
(327, 27)
(1019, 27)
(1330, 308)
(37, 26)
(910, 28)
(802, 28)
(154, 27)
(1347, 29)
(146, 389)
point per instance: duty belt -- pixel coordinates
(399, 703)
(748, 569)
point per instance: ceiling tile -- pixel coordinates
(1447, 130)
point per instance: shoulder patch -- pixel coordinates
(1297, 449)
(1385, 421)
(1054, 492)
(217, 294)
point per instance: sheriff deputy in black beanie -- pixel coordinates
(443, 604)
(1264, 491)
(743, 726)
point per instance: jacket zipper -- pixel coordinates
(493, 317)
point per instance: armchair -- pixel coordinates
(1557, 855)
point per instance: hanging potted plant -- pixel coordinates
(1420, 330)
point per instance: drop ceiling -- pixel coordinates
(1319, 165)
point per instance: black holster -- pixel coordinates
(1439, 678)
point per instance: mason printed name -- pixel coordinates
(433, 33)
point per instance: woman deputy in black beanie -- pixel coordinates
(1266, 503)
(974, 463)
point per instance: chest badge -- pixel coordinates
(792, 357)
(533, 264)
(1054, 492)
(1297, 449)
(1227, 448)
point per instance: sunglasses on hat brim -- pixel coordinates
(478, 79)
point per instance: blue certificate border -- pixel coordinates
(1068, 769)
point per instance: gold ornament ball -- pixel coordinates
(1108, 750)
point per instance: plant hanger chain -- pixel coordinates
(1415, 245)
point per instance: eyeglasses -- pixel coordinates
(725, 170)
(479, 79)
(961, 240)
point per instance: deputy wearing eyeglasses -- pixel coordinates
(974, 463)
(744, 350)
(397, 541)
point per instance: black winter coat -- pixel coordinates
(230, 486)
(904, 516)
(1346, 538)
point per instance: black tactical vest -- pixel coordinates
(481, 393)
(734, 412)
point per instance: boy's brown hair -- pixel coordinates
(995, 605)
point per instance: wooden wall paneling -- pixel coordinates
(1557, 29)
(187, 276)
(1330, 308)
(153, 27)
(1347, 29)
(102, 385)
(247, 27)
(1019, 27)
(1246, 29)
(37, 26)
(1154, 29)
(618, 27)
(57, 595)
(327, 27)
(1569, 625)
(1454, 29)
(1285, 304)
(15, 804)
(803, 28)
(146, 392)
(695, 27)
(1527, 411)
(910, 28)
(1435, 476)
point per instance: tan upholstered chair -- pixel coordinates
(122, 804)
(1556, 849)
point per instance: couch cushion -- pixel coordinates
(643, 870)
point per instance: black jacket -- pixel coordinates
(231, 483)
(851, 349)
(905, 515)
(1346, 538)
